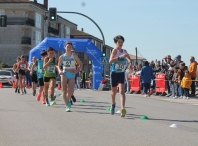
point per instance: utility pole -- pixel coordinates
(136, 53)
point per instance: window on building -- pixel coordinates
(80, 55)
(38, 20)
(67, 32)
(38, 37)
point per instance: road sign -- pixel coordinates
(104, 61)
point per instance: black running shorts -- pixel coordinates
(34, 78)
(48, 79)
(41, 82)
(117, 78)
(22, 72)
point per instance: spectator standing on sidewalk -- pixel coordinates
(178, 57)
(175, 79)
(146, 75)
(84, 76)
(180, 77)
(186, 83)
(192, 71)
(171, 83)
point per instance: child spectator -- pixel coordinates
(180, 77)
(171, 83)
(175, 79)
(186, 83)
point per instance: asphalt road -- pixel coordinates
(26, 122)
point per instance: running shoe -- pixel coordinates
(187, 97)
(43, 101)
(22, 93)
(16, 90)
(52, 102)
(123, 112)
(47, 103)
(184, 97)
(181, 97)
(171, 96)
(73, 98)
(69, 103)
(68, 109)
(112, 110)
(175, 97)
(143, 93)
(33, 93)
(38, 97)
(25, 91)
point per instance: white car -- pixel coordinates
(6, 77)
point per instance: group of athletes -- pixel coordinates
(44, 71)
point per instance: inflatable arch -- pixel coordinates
(81, 45)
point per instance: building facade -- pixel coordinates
(27, 26)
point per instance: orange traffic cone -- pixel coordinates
(28, 86)
(59, 86)
(1, 86)
(13, 86)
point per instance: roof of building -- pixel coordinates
(134, 57)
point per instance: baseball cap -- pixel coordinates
(170, 68)
(165, 57)
(178, 56)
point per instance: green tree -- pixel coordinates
(3, 65)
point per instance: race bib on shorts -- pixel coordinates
(23, 65)
(51, 69)
(68, 63)
(120, 66)
(42, 71)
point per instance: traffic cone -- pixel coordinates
(13, 86)
(28, 86)
(1, 86)
(59, 86)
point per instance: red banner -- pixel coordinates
(160, 83)
(135, 84)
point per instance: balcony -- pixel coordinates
(53, 30)
(26, 41)
(20, 21)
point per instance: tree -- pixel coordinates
(3, 65)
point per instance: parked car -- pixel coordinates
(9, 69)
(6, 77)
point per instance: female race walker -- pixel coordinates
(17, 75)
(68, 73)
(118, 60)
(22, 66)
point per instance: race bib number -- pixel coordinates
(35, 69)
(42, 71)
(51, 69)
(23, 65)
(120, 66)
(68, 63)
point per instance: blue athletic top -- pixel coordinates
(120, 65)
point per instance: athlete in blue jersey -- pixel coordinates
(118, 60)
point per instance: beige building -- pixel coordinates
(26, 27)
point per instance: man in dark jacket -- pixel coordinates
(146, 75)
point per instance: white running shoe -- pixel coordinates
(175, 97)
(187, 98)
(184, 97)
(181, 97)
(146, 95)
(127, 93)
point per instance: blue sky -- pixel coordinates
(156, 27)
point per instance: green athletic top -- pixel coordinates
(50, 69)
(35, 68)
